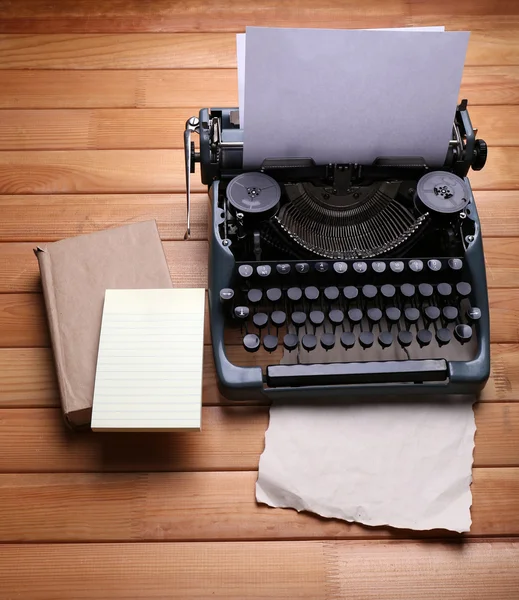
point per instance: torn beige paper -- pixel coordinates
(406, 465)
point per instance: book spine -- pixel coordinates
(45, 264)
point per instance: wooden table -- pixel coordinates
(93, 103)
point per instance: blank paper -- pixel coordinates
(149, 368)
(344, 96)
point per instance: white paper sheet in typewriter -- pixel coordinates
(344, 96)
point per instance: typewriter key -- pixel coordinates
(463, 288)
(336, 316)
(432, 313)
(456, 264)
(393, 314)
(270, 343)
(397, 266)
(369, 291)
(283, 268)
(374, 315)
(311, 293)
(355, 315)
(412, 315)
(366, 339)
(290, 341)
(385, 339)
(378, 266)
(321, 267)
(350, 292)
(295, 294)
(340, 267)
(424, 337)
(450, 313)
(241, 312)
(347, 340)
(388, 290)
(407, 290)
(317, 317)
(474, 314)
(463, 333)
(444, 289)
(425, 290)
(434, 264)
(298, 318)
(405, 338)
(309, 342)
(274, 294)
(278, 318)
(443, 336)
(251, 342)
(263, 270)
(331, 293)
(416, 265)
(260, 319)
(328, 341)
(245, 271)
(254, 296)
(226, 294)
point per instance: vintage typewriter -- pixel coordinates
(332, 280)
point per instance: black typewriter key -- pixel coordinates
(295, 294)
(425, 290)
(407, 290)
(340, 267)
(388, 290)
(397, 266)
(374, 315)
(274, 294)
(432, 313)
(309, 342)
(443, 336)
(474, 314)
(278, 318)
(355, 315)
(283, 268)
(444, 289)
(369, 291)
(378, 266)
(347, 340)
(385, 339)
(336, 316)
(350, 292)
(241, 312)
(317, 317)
(260, 320)
(331, 293)
(290, 341)
(456, 264)
(298, 318)
(412, 315)
(263, 270)
(226, 294)
(463, 333)
(424, 337)
(366, 339)
(328, 341)
(405, 338)
(450, 313)
(311, 293)
(434, 265)
(321, 267)
(393, 314)
(302, 268)
(251, 342)
(270, 342)
(463, 288)
(360, 267)
(254, 296)
(416, 265)
(245, 271)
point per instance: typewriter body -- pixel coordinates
(340, 280)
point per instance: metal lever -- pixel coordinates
(191, 125)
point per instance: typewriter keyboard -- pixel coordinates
(325, 312)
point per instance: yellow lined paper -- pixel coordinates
(150, 359)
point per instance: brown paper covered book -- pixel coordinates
(75, 274)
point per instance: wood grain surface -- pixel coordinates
(93, 102)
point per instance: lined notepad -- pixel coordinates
(149, 367)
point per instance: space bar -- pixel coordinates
(391, 371)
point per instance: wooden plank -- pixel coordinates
(31, 16)
(36, 440)
(19, 271)
(174, 88)
(188, 260)
(162, 171)
(49, 218)
(156, 88)
(135, 129)
(235, 570)
(160, 506)
(23, 319)
(92, 171)
(466, 14)
(27, 377)
(186, 50)
(126, 51)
